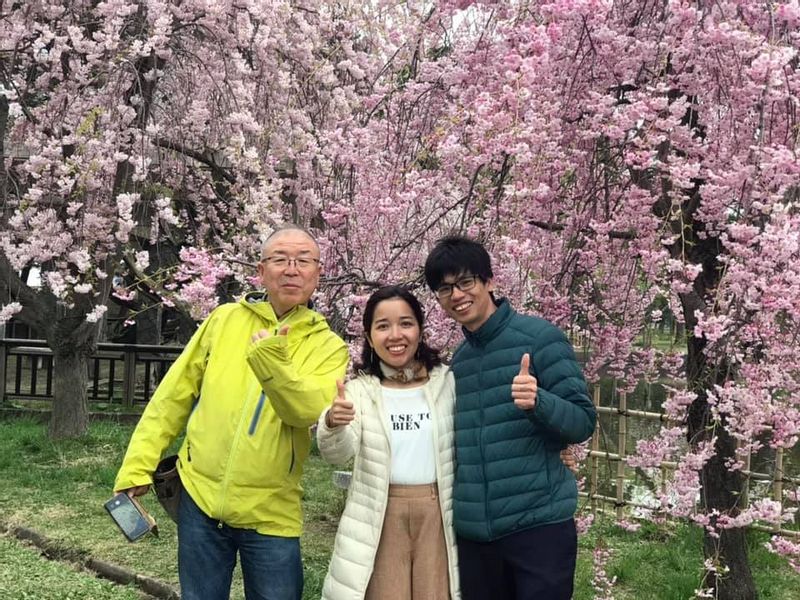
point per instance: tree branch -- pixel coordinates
(617, 235)
(200, 157)
(349, 279)
(4, 109)
(37, 307)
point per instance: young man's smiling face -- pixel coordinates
(467, 299)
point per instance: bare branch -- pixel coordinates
(200, 157)
(37, 307)
(617, 235)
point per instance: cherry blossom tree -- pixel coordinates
(619, 157)
(155, 139)
(616, 156)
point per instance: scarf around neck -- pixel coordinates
(416, 372)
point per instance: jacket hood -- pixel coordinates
(309, 320)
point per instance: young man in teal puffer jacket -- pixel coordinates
(520, 399)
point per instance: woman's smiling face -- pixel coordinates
(395, 333)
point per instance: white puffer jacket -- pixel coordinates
(367, 438)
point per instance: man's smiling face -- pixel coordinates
(293, 283)
(469, 300)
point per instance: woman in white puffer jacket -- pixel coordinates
(395, 539)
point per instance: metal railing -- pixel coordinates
(124, 374)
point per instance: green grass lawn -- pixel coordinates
(58, 489)
(664, 562)
(25, 575)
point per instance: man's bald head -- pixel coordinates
(283, 230)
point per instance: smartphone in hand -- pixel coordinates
(130, 517)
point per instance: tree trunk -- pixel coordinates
(70, 415)
(73, 341)
(721, 488)
(3, 176)
(722, 491)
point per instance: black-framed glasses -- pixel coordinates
(301, 263)
(464, 284)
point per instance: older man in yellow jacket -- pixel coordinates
(247, 387)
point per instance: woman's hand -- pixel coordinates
(341, 411)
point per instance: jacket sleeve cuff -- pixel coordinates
(336, 444)
(127, 481)
(559, 416)
(265, 355)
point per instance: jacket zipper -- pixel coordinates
(281, 322)
(436, 460)
(226, 478)
(386, 432)
(482, 454)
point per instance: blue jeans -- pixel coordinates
(271, 566)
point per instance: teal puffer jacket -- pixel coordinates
(509, 475)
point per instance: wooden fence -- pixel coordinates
(126, 375)
(121, 374)
(620, 473)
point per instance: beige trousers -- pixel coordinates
(411, 563)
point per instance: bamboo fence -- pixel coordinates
(621, 474)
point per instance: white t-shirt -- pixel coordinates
(411, 436)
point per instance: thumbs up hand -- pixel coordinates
(341, 411)
(524, 386)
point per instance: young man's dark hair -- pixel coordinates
(457, 255)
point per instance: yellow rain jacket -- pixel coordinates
(247, 408)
